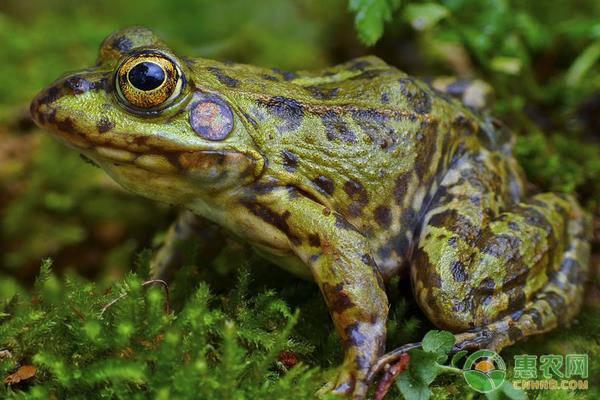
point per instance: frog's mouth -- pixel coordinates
(151, 153)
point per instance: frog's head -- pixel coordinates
(138, 114)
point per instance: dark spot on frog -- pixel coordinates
(271, 78)
(104, 125)
(401, 243)
(353, 336)
(324, 184)
(340, 222)
(458, 271)
(321, 93)
(264, 187)
(250, 119)
(121, 43)
(289, 110)
(475, 200)
(359, 65)
(487, 286)
(272, 218)
(556, 302)
(401, 186)
(536, 317)
(362, 363)
(50, 95)
(514, 333)
(427, 149)
(66, 125)
(367, 75)
(385, 98)
(465, 125)
(314, 240)
(359, 196)
(290, 160)
(287, 76)
(536, 218)
(77, 84)
(501, 246)
(374, 124)
(453, 242)
(337, 299)
(385, 251)
(416, 96)
(383, 216)
(190, 62)
(459, 224)
(516, 299)
(223, 78)
(336, 128)
(368, 260)
(408, 220)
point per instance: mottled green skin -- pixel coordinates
(346, 175)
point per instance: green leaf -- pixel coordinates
(412, 389)
(371, 15)
(582, 64)
(438, 342)
(423, 16)
(423, 366)
(457, 357)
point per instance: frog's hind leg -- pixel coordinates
(556, 303)
(474, 93)
(496, 277)
(497, 270)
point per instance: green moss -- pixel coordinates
(542, 60)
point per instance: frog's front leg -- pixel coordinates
(341, 263)
(187, 227)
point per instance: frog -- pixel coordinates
(349, 176)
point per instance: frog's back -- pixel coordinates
(362, 138)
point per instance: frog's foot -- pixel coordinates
(187, 228)
(348, 383)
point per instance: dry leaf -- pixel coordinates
(23, 373)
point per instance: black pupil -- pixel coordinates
(146, 76)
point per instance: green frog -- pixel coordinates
(348, 176)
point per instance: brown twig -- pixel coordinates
(390, 375)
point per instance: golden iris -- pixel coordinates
(148, 81)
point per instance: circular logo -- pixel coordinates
(484, 371)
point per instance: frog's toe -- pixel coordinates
(346, 385)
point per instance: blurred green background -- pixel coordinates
(542, 58)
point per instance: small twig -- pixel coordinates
(390, 358)
(150, 282)
(391, 373)
(167, 294)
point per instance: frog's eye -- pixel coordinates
(148, 81)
